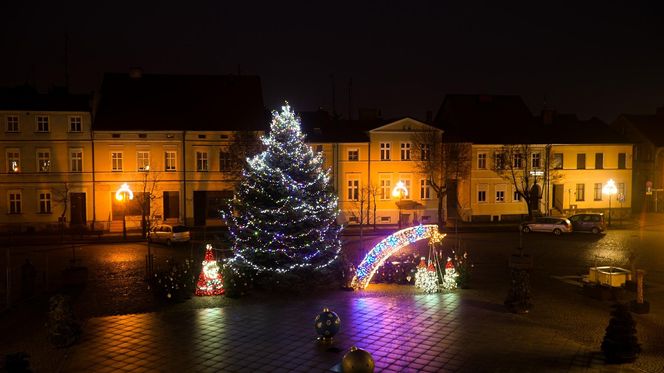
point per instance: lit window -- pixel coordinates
(12, 123)
(353, 154)
(169, 161)
(44, 203)
(201, 161)
(42, 123)
(75, 124)
(384, 151)
(116, 161)
(13, 160)
(43, 160)
(143, 161)
(14, 202)
(405, 151)
(76, 160)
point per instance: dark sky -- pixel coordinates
(594, 58)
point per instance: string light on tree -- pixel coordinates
(450, 276)
(282, 217)
(430, 282)
(421, 274)
(210, 281)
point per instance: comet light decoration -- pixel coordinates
(387, 247)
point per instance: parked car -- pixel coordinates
(169, 234)
(591, 222)
(556, 226)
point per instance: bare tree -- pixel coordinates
(245, 144)
(441, 163)
(144, 200)
(61, 196)
(525, 167)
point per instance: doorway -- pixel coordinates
(78, 214)
(558, 197)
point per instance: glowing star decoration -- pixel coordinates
(210, 281)
(388, 246)
(283, 215)
(450, 276)
(124, 190)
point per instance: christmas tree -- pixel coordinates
(421, 274)
(430, 283)
(450, 276)
(283, 215)
(209, 281)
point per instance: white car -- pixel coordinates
(556, 226)
(169, 234)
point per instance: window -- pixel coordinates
(405, 151)
(225, 161)
(517, 161)
(599, 161)
(425, 152)
(353, 184)
(598, 192)
(481, 161)
(499, 160)
(516, 197)
(581, 162)
(481, 196)
(621, 190)
(353, 154)
(143, 161)
(536, 160)
(385, 186)
(622, 161)
(580, 192)
(43, 160)
(44, 202)
(12, 123)
(425, 189)
(116, 161)
(75, 124)
(42, 123)
(405, 179)
(500, 196)
(76, 160)
(558, 161)
(201, 161)
(13, 160)
(384, 151)
(14, 202)
(169, 161)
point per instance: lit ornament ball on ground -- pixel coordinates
(327, 324)
(357, 360)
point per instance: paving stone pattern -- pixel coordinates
(405, 332)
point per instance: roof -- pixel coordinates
(568, 129)
(319, 126)
(181, 102)
(650, 127)
(27, 98)
(484, 119)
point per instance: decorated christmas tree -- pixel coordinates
(283, 215)
(430, 283)
(421, 274)
(209, 281)
(450, 276)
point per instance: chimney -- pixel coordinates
(136, 73)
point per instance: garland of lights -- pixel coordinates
(388, 246)
(283, 214)
(210, 281)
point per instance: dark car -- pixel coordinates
(590, 222)
(553, 225)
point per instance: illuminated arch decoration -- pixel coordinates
(390, 245)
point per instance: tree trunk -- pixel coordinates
(441, 220)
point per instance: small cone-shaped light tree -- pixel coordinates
(284, 212)
(209, 281)
(450, 276)
(421, 274)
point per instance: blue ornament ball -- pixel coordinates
(327, 324)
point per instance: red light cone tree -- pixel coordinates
(210, 281)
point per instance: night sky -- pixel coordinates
(594, 59)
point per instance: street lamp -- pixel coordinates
(122, 195)
(400, 191)
(610, 189)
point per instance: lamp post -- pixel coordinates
(610, 189)
(400, 191)
(122, 194)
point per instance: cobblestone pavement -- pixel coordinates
(405, 331)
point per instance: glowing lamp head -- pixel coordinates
(400, 190)
(124, 190)
(610, 188)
